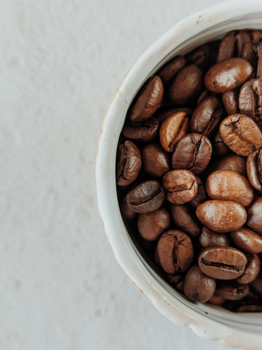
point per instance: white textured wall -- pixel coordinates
(60, 286)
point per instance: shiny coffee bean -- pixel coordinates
(173, 129)
(257, 48)
(201, 195)
(185, 219)
(129, 163)
(254, 216)
(230, 101)
(198, 287)
(204, 94)
(230, 186)
(126, 211)
(146, 197)
(187, 85)
(230, 162)
(250, 99)
(175, 251)
(148, 101)
(200, 57)
(221, 216)
(216, 300)
(223, 263)
(142, 132)
(155, 160)
(251, 271)
(228, 75)
(169, 71)
(252, 52)
(247, 240)
(254, 169)
(232, 290)
(210, 238)
(219, 147)
(180, 186)
(192, 152)
(240, 134)
(207, 116)
(163, 115)
(152, 225)
(232, 44)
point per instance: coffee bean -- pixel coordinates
(207, 116)
(221, 216)
(247, 240)
(223, 263)
(126, 211)
(248, 308)
(251, 271)
(257, 48)
(148, 101)
(198, 287)
(151, 225)
(146, 197)
(180, 286)
(256, 285)
(173, 129)
(230, 101)
(240, 134)
(199, 57)
(201, 195)
(228, 75)
(254, 169)
(180, 186)
(219, 147)
(232, 290)
(187, 85)
(209, 238)
(192, 152)
(142, 132)
(129, 163)
(175, 251)
(250, 99)
(156, 257)
(216, 300)
(255, 35)
(169, 70)
(174, 279)
(254, 216)
(163, 115)
(185, 219)
(229, 185)
(230, 162)
(155, 160)
(232, 44)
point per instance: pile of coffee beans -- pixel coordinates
(189, 172)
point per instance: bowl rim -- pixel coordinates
(172, 308)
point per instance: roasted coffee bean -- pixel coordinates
(175, 251)
(230, 162)
(221, 216)
(148, 101)
(257, 48)
(126, 211)
(201, 195)
(232, 44)
(210, 238)
(251, 271)
(219, 147)
(180, 186)
(192, 152)
(187, 85)
(180, 287)
(254, 216)
(254, 169)
(216, 300)
(199, 57)
(207, 116)
(129, 163)
(248, 308)
(146, 197)
(185, 219)
(229, 185)
(230, 101)
(252, 52)
(256, 285)
(174, 279)
(250, 99)
(151, 225)
(247, 240)
(170, 69)
(155, 160)
(173, 129)
(142, 132)
(240, 134)
(255, 35)
(223, 263)
(156, 257)
(232, 290)
(204, 94)
(163, 115)
(228, 75)
(198, 287)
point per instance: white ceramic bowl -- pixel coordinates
(235, 330)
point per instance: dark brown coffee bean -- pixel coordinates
(216, 300)
(259, 124)
(148, 101)
(230, 186)
(175, 127)
(257, 48)
(142, 132)
(230, 101)
(219, 147)
(251, 271)
(232, 290)
(248, 308)
(174, 279)
(255, 35)
(156, 257)
(175, 251)
(210, 238)
(180, 186)
(240, 134)
(230, 162)
(128, 164)
(256, 285)
(126, 211)
(204, 94)
(198, 287)
(250, 99)
(187, 85)
(201, 195)
(151, 225)
(228, 75)
(185, 219)
(207, 116)
(170, 69)
(232, 44)
(155, 160)
(163, 115)
(254, 216)
(254, 169)
(223, 263)
(192, 152)
(221, 216)
(247, 240)
(146, 197)
(199, 57)
(180, 287)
